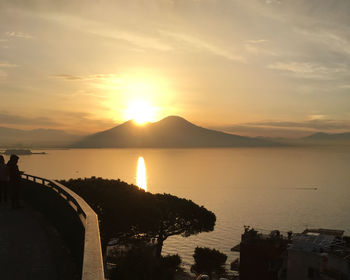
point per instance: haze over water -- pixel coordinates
(269, 189)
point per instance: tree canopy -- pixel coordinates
(209, 261)
(127, 209)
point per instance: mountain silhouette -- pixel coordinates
(328, 138)
(170, 132)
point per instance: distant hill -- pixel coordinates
(42, 138)
(327, 138)
(315, 139)
(171, 132)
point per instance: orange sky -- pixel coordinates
(256, 67)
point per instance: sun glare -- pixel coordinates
(142, 97)
(141, 112)
(141, 178)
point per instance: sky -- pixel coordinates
(251, 67)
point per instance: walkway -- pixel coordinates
(30, 248)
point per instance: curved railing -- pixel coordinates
(87, 232)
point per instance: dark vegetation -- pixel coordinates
(209, 261)
(135, 216)
(140, 263)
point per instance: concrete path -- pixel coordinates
(30, 248)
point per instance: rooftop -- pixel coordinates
(324, 231)
(251, 235)
(322, 240)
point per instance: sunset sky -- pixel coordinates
(254, 67)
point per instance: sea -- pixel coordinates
(288, 189)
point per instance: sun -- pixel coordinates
(142, 96)
(141, 112)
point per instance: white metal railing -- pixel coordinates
(92, 256)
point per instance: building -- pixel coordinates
(319, 254)
(262, 255)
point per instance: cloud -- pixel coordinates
(257, 41)
(94, 85)
(18, 35)
(293, 129)
(133, 38)
(79, 121)
(7, 65)
(298, 68)
(108, 31)
(317, 117)
(8, 118)
(269, 2)
(82, 120)
(255, 131)
(315, 122)
(69, 77)
(257, 47)
(334, 41)
(3, 74)
(309, 70)
(204, 45)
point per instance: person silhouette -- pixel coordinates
(3, 180)
(14, 180)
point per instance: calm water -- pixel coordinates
(265, 188)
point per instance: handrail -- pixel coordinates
(92, 258)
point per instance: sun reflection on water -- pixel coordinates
(141, 178)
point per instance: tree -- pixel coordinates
(209, 261)
(139, 263)
(136, 264)
(179, 216)
(126, 209)
(120, 207)
(169, 265)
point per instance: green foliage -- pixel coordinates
(126, 210)
(209, 261)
